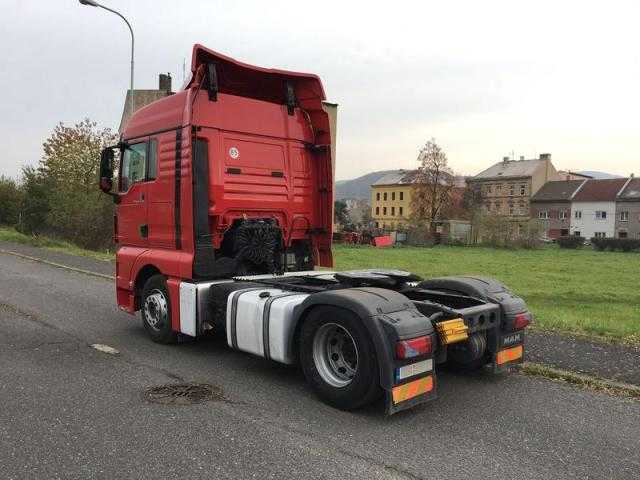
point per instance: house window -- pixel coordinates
(523, 189)
(385, 196)
(576, 233)
(400, 209)
(543, 214)
(384, 210)
(622, 234)
(393, 195)
(624, 216)
(562, 215)
(511, 190)
(600, 235)
(601, 215)
(577, 214)
(377, 210)
(498, 188)
(488, 188)
(393, 211)
(401, 195)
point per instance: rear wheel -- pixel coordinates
(156, 310)
(338, 358)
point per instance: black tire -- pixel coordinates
(363, 387)
(155, 309)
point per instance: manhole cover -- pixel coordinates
(183, 393)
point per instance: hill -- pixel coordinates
(359, 188)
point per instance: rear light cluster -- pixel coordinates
(414, 347)
(521, 321)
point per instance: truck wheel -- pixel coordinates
(338, 358)
(156, 310)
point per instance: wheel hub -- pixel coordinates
(335, 355)
(156, 310)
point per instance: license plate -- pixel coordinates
(512, 339)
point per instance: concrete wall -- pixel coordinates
(632, 227)
(588, 225)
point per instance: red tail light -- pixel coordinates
(413, 347)
(521, 321)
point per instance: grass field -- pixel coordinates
(579, 291)
(10, 235)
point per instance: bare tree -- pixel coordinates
(433, 185)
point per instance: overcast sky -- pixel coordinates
(483, 78)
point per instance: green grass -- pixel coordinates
(578, 291)
(11, 235)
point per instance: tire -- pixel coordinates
(155, 308)
(338, 358)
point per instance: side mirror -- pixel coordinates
(106, 170)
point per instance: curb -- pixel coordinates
(582, 380)
(58, 265)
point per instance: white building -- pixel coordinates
(593, 208)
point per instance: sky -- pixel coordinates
(485, 79)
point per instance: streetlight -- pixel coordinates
(93, 3)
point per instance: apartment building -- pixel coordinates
(552, 206)
(506, 187)
(628, 210)
(391, 199)
(593, 208)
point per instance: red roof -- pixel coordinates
(600, 190)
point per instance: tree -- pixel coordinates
(10, 198)
(340, 212)
(433, 184)
(62, 195)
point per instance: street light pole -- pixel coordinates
(93, 3)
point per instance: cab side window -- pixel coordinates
(152, 163)
(134, 164)
(139, 163)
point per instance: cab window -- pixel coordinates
(134, 164)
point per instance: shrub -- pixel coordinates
(616, 244)
(10, 198)
(571, 242)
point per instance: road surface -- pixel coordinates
(70, 411)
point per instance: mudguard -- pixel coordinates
(389, 316)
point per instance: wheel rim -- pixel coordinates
(335, 355)
(156, 310)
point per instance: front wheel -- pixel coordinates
(338, 358)
(156, 310)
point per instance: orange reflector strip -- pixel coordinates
(412, 389)
(509, 355)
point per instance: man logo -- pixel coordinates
(234, 152)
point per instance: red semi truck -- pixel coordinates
(224, 195)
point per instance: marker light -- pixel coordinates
(521, 321)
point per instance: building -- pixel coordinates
(507, 187)
(593, 208)
(628, 210)
(552, 205)
(142, 98)
(391, 199)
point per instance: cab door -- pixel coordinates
(132, 226)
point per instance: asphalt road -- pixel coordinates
(69, 411)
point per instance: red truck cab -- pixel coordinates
(239, 142)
